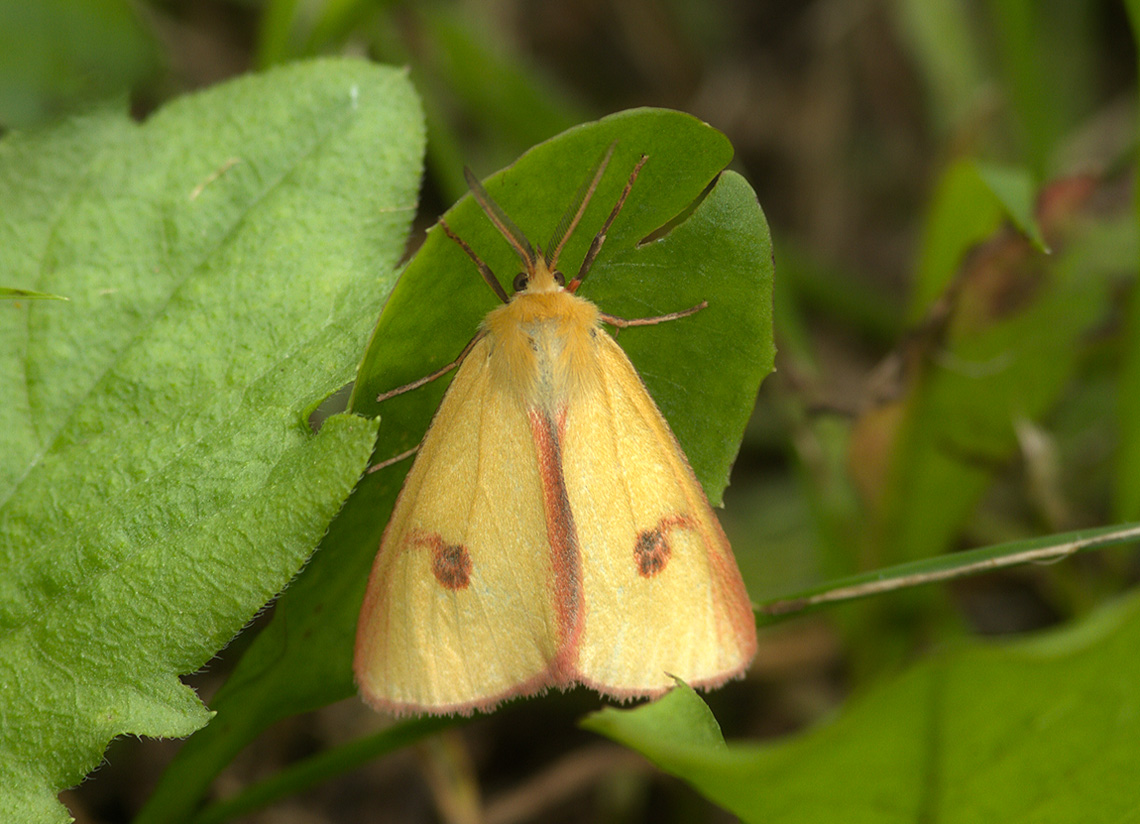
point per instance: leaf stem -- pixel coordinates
(1047, 549)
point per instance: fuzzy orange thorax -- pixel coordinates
(541, 341)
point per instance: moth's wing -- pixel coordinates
(438, 633)
(662, 593)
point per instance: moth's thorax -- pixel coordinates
(542, 343)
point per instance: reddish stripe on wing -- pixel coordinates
(562, 534)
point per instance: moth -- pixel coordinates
(550, 532)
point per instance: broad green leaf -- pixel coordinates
(720, 253)
(160, 481)
(703, 371)
(1041, 729)
(301, 661)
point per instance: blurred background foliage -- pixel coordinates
(950, 185)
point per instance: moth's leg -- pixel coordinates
(426, 379)
(622, 323)
(596, 246)
(393, 460)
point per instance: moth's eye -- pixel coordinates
(520, 281)
(559, 278)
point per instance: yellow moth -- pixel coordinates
(550, 532)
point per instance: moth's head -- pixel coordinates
(538, 278)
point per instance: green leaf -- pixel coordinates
(1127, 492)
(1014, 189)
(486, 104)
(323, 766)
(27, 294)
(719, 252)
(1048, 59)
(1127, 489)
(951, 565)
(160, 481)
(1042, 729)
(1014, 330)
(1133, 9)
(969, 203)
(57, 55)
(938, 33)
(679, 719)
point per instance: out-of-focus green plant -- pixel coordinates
(1007, 405)
(56, 55)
